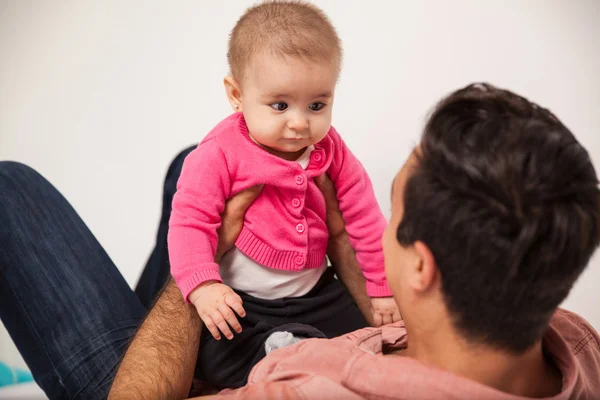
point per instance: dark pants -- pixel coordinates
(327, 308)
(62, 300)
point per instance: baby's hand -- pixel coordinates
(385, 310)
(214, 302)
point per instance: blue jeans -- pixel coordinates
(64, 303)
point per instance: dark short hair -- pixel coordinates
(508, 202)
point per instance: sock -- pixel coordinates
(277, 340)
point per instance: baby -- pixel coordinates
(285, 60)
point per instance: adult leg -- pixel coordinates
(64, 303)
(158, 268)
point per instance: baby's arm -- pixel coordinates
(364, 221)
(202, 189)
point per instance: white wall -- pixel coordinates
(100, 95)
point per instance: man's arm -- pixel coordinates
(160, 361)
(340, 251)
(343, 259)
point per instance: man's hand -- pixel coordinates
(335, 223)
(385, 310)
(232, 219)
(214, 302)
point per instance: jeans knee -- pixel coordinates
(173, 173)
(177, 163)
(16, 177)
(14, 170)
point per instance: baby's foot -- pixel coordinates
(277, 340)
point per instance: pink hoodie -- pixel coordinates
(352, 367)
(285, 226)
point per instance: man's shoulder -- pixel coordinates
(575, 346)
(576, 331)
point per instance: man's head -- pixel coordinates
(495, 215)
(285, 59)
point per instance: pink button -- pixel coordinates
(296, 203)
(317, 157)
(300, 228)
(299, 179)
(299, 260)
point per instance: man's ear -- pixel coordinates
(234, 93)
(425, 272)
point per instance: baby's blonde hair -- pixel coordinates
(282, 28)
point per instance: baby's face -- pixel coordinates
(287, 103)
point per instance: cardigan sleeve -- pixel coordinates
(203, 187)
(364, 220)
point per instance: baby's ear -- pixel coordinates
(234, 93)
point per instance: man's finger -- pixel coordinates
(326, 187)
(334, 220)
(232, 219)
(239, 203)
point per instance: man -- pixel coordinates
(495, 215)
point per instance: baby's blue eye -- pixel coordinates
(317, 106)
(279, 106)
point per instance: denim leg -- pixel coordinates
(157, 269)
(63, 301)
